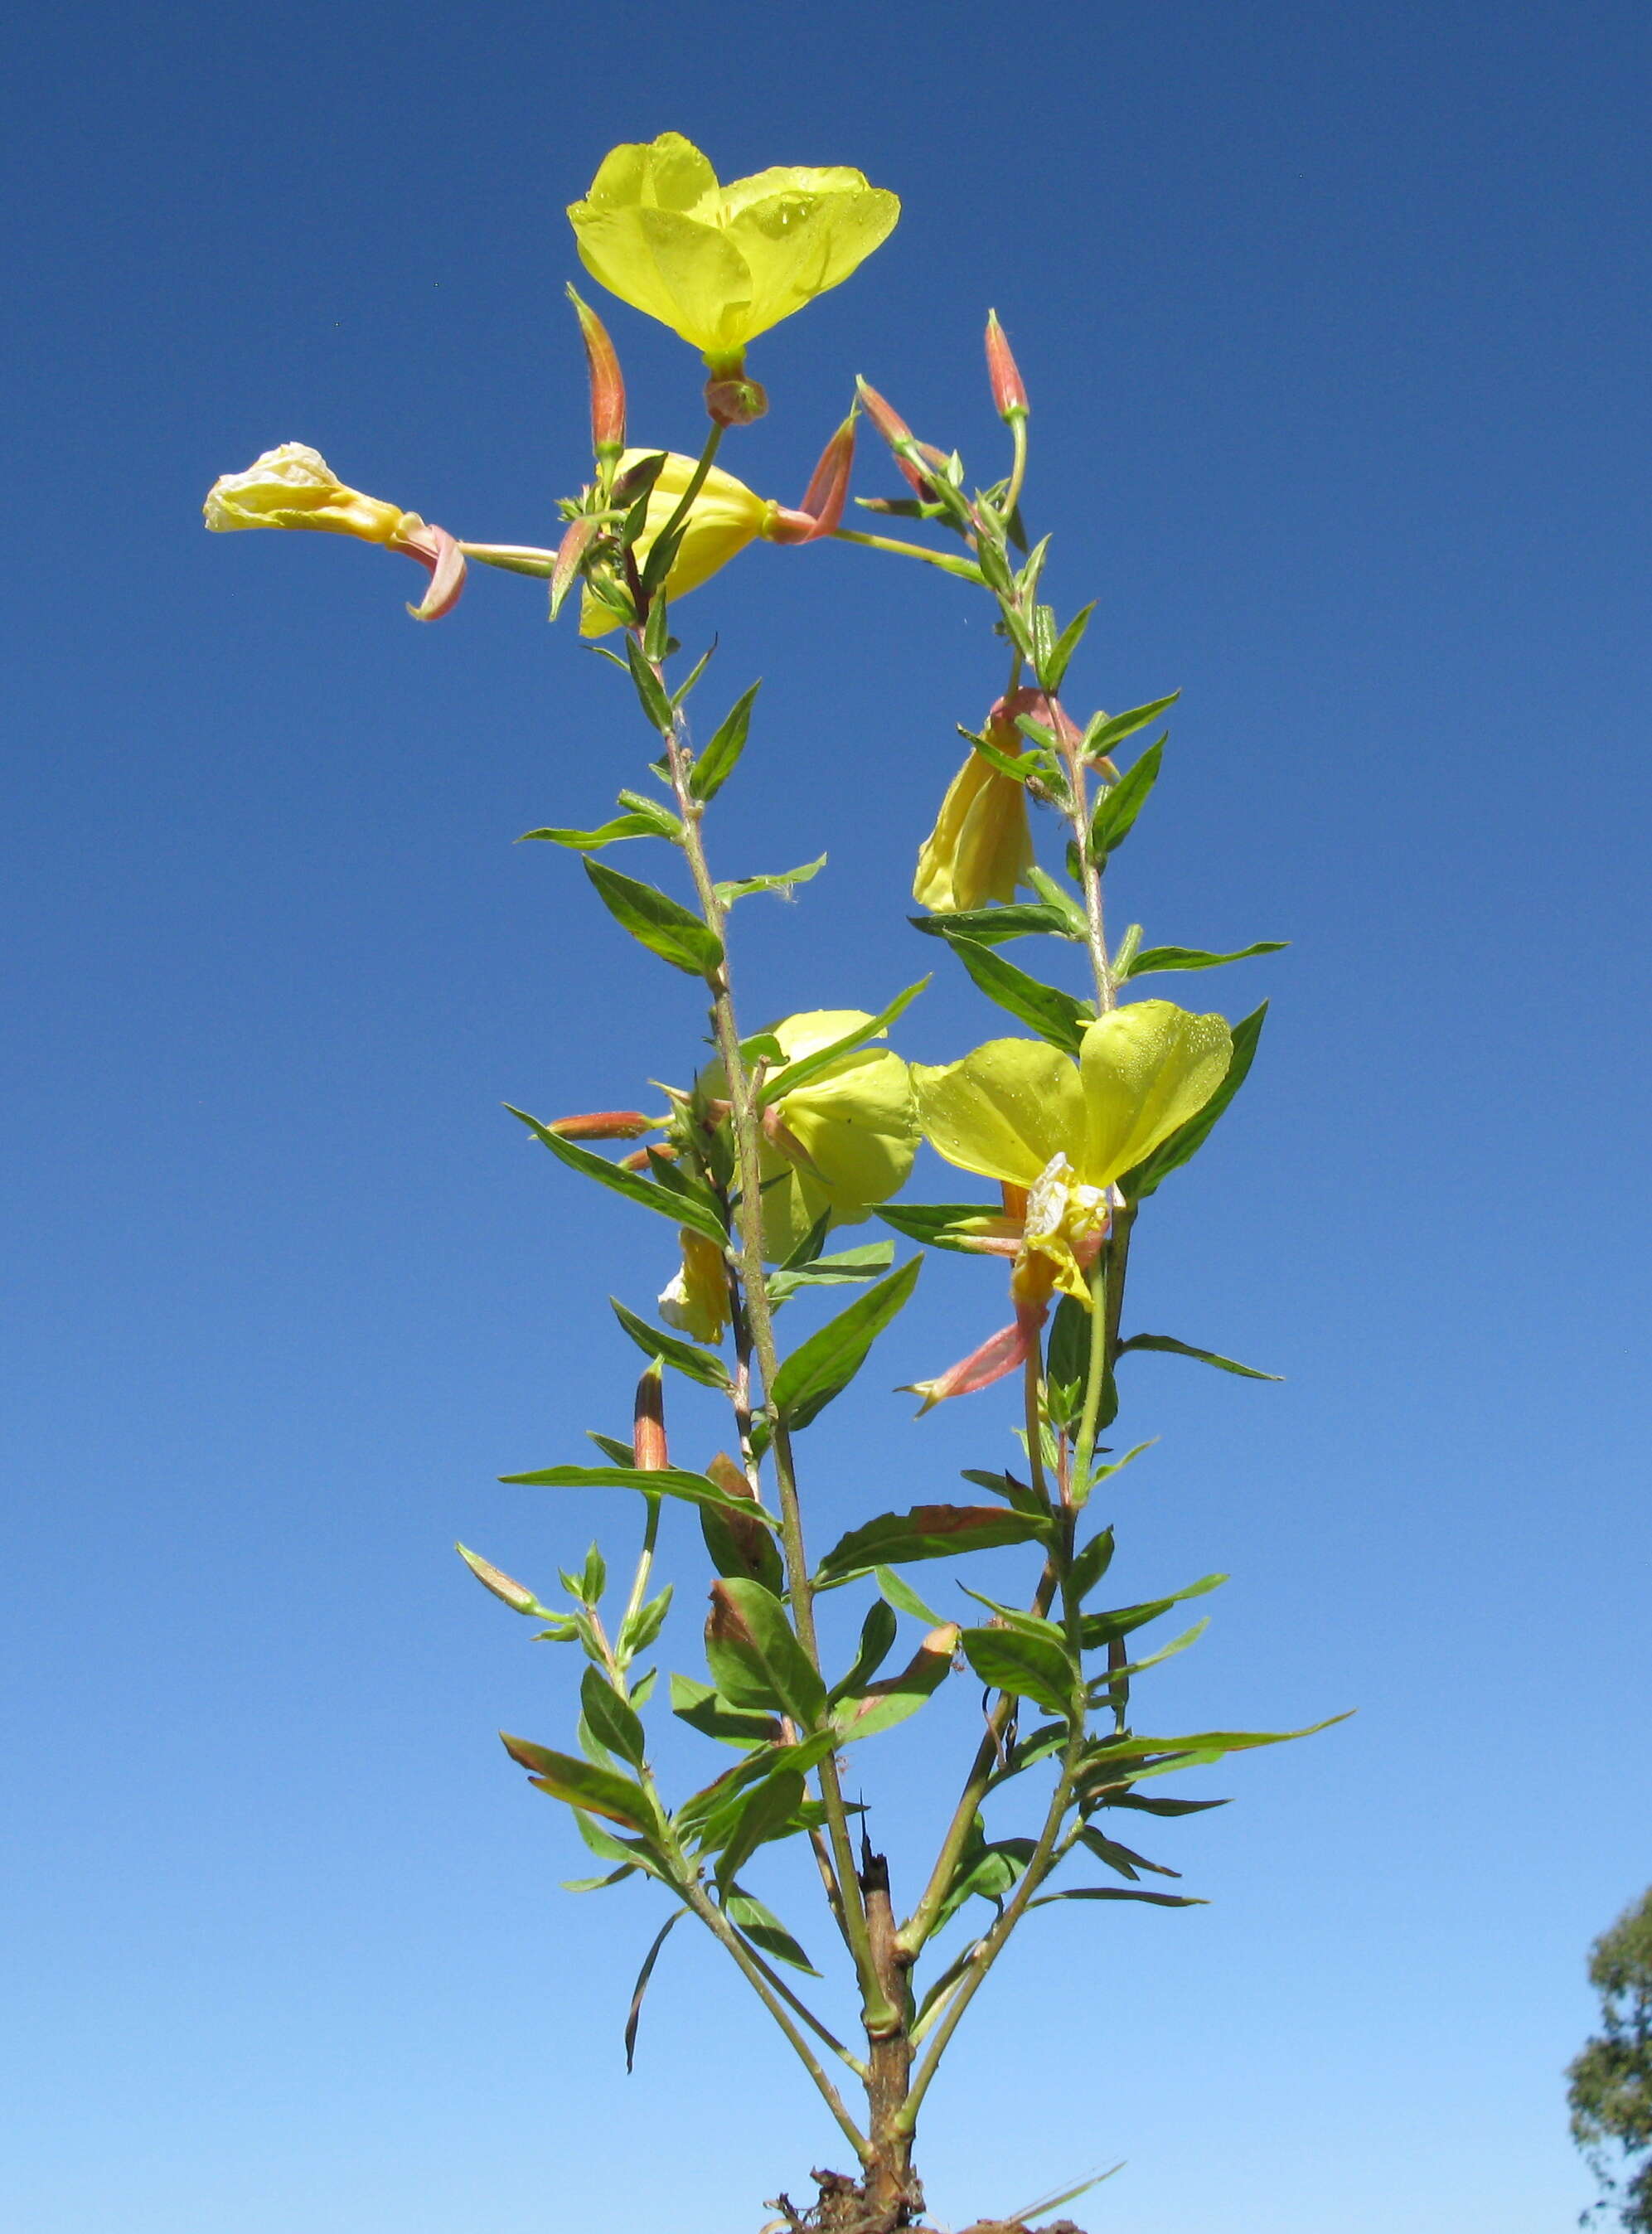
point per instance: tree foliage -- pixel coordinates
(1610, 2087)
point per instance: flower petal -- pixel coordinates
(1147, 1068)
(1003, 1111)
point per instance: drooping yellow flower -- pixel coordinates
(721, 264)
(981, 848)
(843, 1142)
(1057, 1136)
(696, 1301)
(724, 518)
(293, 485)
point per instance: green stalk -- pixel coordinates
(964, 568)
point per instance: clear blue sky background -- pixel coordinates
(1335, 322)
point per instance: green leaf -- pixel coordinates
(1033, 1667)
(1125, 1859)
(609, 833)
(1121, 803)
(1092, 1563)
(1098, 1629)
(928, 1532)
(700, 1365)
(635, 2013)
(754, 1655)
(693, 675)
(829, 1360)
(743, 887)
(765, 1930)
(1187, 1139)
(956, 1225)
(614, 1722)
(657, 1481)
(904, 1599)
(809, 1067)
(708, 1712)
(711, 1814)
(1056, 665)
(681, 1210)
(600, 1885)
(1054, 1015)
(1104, 732)
(717, 764)
(1166, 1341)
(639, 1631)
(1129, 1761)
(1104, 1683)
(662, 925)
(582, 1784)
(844, 1265)
(1149, 958)
(878, 1634)
(651, 693)
(991, 926)
(768, 1811)
(1149, 1807)
(1118, 1892)
(1019, 1494)
(881, 1705)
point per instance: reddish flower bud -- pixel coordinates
(607, 383)
(1009, 391)
(899, 437)
(440, 556)
(648, 1421)
(733, 400)
(570, 551)
(602, 1125)
(825, 497)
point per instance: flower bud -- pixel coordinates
(607, 383)
(825, 497)
(602, 1125)
(899, 437)
(1009, 391)
(648, 1420)
(514, 1594)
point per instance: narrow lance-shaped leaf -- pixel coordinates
(1031, 1666)
(613, 1722)
(607, 833)
(1147, 959)
(583, 1784)
(807, 1068)
(1106, 731)
(904, 1599)
(991, 926)
(958, 1225)
(881, 1705)
(828, 1360)
(1119, 805)
(665, 1481)
(743, 887)
(1054, 1014)
(634, 2015)
(928, 1532)
(1168, 1343)
(651, 693)
(681, 1210)
(717, 764)
(702, 1365)
(769, 1813)
(656, 921)
(764, 1929)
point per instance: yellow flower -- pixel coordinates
(843, 1142)
(1057, 1136)
(721, 264)
(981, 848)
(294, 486)
(724, 518)
(696, 1301)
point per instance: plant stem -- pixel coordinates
(965, 569)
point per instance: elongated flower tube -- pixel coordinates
(293, 485)
(721, 264)
(1057, 1136)
(838, 1145)
(724, 518)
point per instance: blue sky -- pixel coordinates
(1336, 325)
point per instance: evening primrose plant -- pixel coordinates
(774, 1176)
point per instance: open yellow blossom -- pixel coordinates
(1058, 1136)
(843, 1142)
(293, 485)
(724, 518)
(721, 264)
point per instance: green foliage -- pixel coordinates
(1054, 1015)
(825, 1365)
(662, 925)
(928, 1532)
(1609, 2082)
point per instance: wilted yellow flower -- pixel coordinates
(843, 1142)
(696, 1301)
(294, 486)
(721, 264)
(724, 518)
(1057, 1136)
